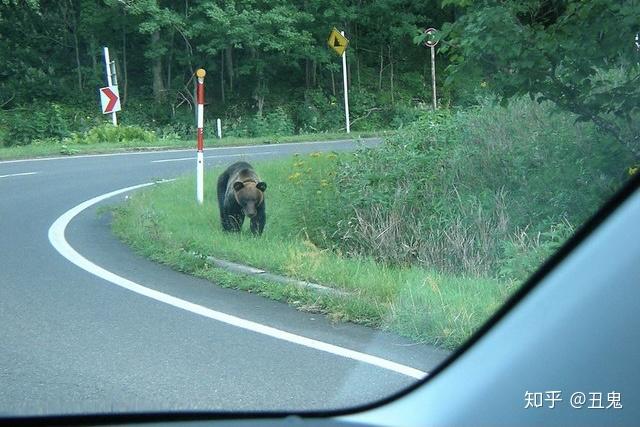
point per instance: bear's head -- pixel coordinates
(249, 195)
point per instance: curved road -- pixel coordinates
(73, 342)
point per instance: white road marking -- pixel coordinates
(219, 156)
(84, 156)
(183, 150)
(58, 241)
(18, 174)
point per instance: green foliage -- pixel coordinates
(107, 133)
(562, 51)
(318, 112)
(314, 195)
(24, 125)
(402, 115)
(274, 123)
(270, 56)
(524, 253)
(451, 190)
(262, 57)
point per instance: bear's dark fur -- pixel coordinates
(240, 193)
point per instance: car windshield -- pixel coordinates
(275, 205)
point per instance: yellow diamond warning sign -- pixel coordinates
(337, 42)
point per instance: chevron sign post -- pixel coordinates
(110, 99)
(109, 96)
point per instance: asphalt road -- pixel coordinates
(72, 342)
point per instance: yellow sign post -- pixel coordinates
(337, 42)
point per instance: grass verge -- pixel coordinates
(165, 224)
(50, 147)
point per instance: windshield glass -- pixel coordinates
(270, 205)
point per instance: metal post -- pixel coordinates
(200, 73)
(433, 75)
(346, 93)
(107, 67)
(219, 125)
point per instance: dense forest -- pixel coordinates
(269, 59)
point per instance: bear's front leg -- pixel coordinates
(258, 222)
(232, 222)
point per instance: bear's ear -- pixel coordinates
(238, 185)
(262, 186)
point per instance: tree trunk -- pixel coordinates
(314, 80)
(118, 73)
(381, 68)
(229, 64)
(348, 65)
(357, 54)
(222, 76)
(125, 77)
(77, 49)
(169, 61)
(260, 91)
(71, 22)
(156, 70)
(425, 71)
(333, 83)
(307, 74)
(391, 75)
(92, 50)
(358, 69)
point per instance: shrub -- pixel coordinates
(525, 252)
(402, 115)
(107, 133)
(274, 123)
(47, 121)
(313, 177)
(317, 113)
(23, 125)
(455, 190)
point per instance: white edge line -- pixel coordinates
(18, 174)
(59, 242)
(219, 156)
(184, 150)
(84, 156)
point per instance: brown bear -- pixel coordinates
(240, 193)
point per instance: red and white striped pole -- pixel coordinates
(200, 73)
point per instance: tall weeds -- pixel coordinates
(462, 192)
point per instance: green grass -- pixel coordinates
(51, 147)
(165, 224)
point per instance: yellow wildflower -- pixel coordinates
(295, 176)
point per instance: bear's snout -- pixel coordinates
(250, 211)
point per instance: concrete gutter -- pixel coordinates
(256, 272)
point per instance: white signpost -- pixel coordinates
(338, 42)
(431, 42)
(110, 93)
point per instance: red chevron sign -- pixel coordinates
(110, 99)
